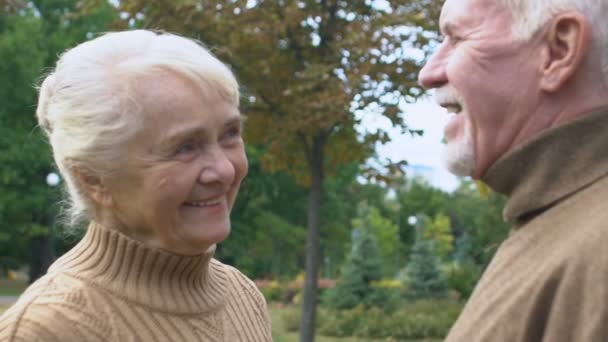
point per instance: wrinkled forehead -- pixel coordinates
(166, 89)
(466, 14)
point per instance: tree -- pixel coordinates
(423, 274)
(307, 67)
(439, 231)
(480, 218)
(24, 161)
(387, 237)
(32, 34)
(362, 268)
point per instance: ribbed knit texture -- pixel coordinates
(112, 288)
(548, 282)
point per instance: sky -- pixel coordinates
(422, 153)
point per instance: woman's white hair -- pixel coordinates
(530, 15)
(88, 108)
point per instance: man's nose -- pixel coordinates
(433, 74)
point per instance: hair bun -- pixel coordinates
(44, 98)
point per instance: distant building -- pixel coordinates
(439, 178)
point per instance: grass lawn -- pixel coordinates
(11, 287)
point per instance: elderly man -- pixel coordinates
(527, 82)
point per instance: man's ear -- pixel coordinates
(94, 187)
(567, 43)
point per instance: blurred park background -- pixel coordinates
(345, 244)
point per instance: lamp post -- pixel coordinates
(412, 220)
(52, 180)
(43, 245)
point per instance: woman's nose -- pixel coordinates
(218, 168)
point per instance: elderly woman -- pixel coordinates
(146, 131)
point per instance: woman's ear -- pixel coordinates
(566, 45)
(94, 187)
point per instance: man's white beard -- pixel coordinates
(459, 156)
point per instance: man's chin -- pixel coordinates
(459, 158)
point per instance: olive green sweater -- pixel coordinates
(549, 280)
(112, 288)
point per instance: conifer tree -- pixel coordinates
(361, 269)
(423, 275)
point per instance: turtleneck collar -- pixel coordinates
(145, 275)
(552, 166)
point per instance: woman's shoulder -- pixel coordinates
(239, 284)
(234, 276)
(51, 309)
(245, 300)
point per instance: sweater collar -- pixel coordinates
(552, 166)
(145, 275)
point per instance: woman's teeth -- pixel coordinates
(204, 203)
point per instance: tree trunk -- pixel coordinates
(307, 324)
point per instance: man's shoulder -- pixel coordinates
(581, 216)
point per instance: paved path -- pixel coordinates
(7, 300)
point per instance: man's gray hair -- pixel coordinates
(530, 15)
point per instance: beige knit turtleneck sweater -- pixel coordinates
(112, 288)
(548, 282)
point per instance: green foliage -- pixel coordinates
(362, 268)
(480, 218)
(413, 320)
(438, 230)
(462, 252)
(387, 236)
(31, 36)
(415, 197)
(267, 239)
(271, 290)
(476, 218)
(291, 318)
(24, 158)
(462, 278)
(423, 274)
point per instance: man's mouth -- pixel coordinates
(454, 108)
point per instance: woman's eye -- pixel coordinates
(186, 148)
(233, 133)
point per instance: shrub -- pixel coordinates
(292, 315)
(291, 319)
(289, 292)
(343, 322)
(462, 278)
(271, 289)
(387, 284)
(414, 320)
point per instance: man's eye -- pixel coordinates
(454, 39)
